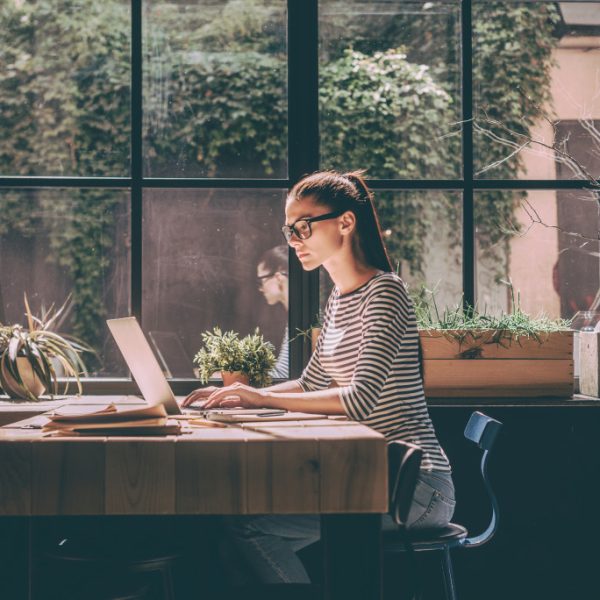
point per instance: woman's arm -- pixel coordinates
(286, 386)
(323, 402)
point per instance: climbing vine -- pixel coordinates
(67, 112)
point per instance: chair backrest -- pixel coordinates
(483, 431)
(404, 462)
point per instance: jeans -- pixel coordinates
(269, 543)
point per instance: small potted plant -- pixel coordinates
(29, 356)
(248, 360)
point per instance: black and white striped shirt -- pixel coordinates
(282, 366)
(368, 347)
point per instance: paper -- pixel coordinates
(149, 420)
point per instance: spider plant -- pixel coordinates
(42, 348)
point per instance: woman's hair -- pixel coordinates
(348, 191)
(275, 260)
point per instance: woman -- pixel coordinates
(366, 364)
(272, 278)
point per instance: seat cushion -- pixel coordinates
(424, 539)
(84, 549)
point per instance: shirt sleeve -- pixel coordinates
(385, 321)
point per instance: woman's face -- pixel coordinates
(326, 238)
(270, 284)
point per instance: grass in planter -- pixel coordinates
(478, 328)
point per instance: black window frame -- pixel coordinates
(303, 158)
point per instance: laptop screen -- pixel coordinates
(142, 363)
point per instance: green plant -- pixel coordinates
(42, 348)
(476, 328)
(225, 351)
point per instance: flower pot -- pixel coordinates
(474, 365)
(230, 377)
(32, 386)
(589, 363)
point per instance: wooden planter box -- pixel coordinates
(482, 368)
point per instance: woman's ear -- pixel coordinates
(282, 280)
(347, 222)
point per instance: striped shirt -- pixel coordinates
(282, 366)
(368, 348)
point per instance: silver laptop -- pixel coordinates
(142, 363)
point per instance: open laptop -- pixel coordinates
(142, 363)
(151, 380)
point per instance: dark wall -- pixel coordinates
(546, 470)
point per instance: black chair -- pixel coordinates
(105, 571)
(404, 468)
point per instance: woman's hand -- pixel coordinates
(237, 395)
(199, 394)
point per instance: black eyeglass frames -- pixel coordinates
(301, 228)
(260, 279)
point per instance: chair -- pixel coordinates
(404, 462)
(114, 571)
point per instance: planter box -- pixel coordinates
(479, 367)
(589, 363)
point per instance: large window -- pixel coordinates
(146, 148)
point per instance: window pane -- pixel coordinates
(215, 89)
(423, 235)
(66, 243)
(546, 243)
(202, 251)
(65, 88)
(390, 87)
(536, 89)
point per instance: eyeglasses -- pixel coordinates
(260, 279)
(301, 228)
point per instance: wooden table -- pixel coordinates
(335, 468)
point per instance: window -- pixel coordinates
(146, 149)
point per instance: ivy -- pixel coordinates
(223, 111)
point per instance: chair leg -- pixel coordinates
(448, 573)
(167, 580)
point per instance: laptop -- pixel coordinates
(149, 376)
(142, 363)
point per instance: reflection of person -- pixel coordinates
(272, 278)
(365, 366)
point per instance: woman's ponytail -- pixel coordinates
(368, 227)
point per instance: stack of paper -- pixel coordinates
(149, 420)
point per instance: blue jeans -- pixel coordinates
(269, 543)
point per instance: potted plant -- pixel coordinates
(29, 356)
(248, 360)
(472, 354)
(311, 335)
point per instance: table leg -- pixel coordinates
(14, 557)
(353, 556)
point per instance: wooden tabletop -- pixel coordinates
(279, 467)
